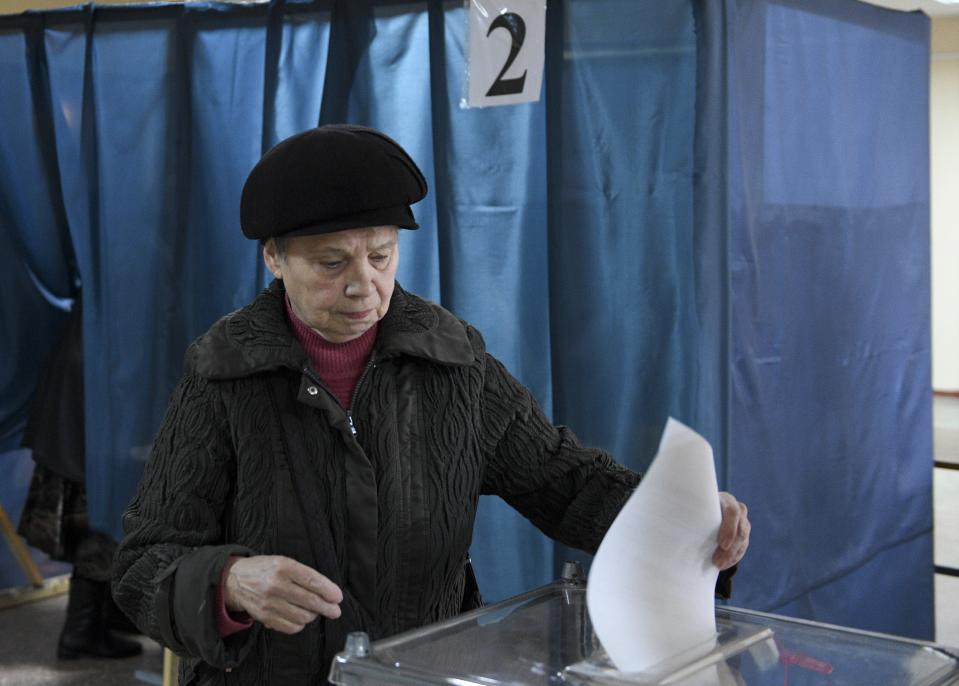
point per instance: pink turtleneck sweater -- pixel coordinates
(339, 365)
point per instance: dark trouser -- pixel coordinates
(55, 521)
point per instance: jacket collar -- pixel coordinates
(257, 338)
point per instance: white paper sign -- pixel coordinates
(506, 52)
(650, 591)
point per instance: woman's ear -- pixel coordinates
(272, 258)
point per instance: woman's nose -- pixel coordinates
(359, 280)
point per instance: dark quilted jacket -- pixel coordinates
(254, 456)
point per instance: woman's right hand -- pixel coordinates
(281, 593)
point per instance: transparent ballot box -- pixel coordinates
(545, 637)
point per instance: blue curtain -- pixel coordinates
(625, 322)
(38, 277)
(157, 113)
(825, 200)
(630, 245)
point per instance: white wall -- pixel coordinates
(944, 153)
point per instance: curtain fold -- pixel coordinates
(621, 226)
(38, 276)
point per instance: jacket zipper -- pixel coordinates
(348, 411)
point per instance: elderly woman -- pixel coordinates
(319, 467)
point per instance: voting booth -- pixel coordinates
(716, 210)
(545, 637)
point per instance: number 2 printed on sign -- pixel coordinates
(505, 55)
(513, 23)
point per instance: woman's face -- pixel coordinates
(339, 284)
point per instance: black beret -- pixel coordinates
(330, 178)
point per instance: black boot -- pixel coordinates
(85, 633)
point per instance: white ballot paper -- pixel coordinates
(651, 584)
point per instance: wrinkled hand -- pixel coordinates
(279, 592)
(733, 532)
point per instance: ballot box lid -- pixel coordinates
(545, 637)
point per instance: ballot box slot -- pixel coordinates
(730, 640)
